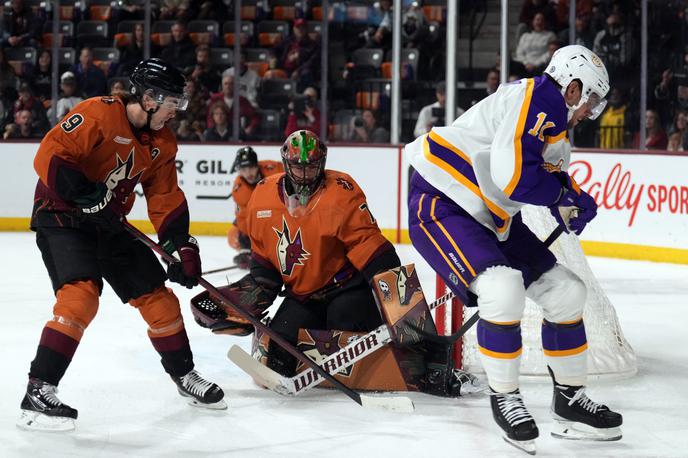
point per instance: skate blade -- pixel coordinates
(36, 421)
(526, 446)
(219, 405)
(573, 430)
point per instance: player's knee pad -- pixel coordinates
(75, 308)
(560, 293)
(161, 311)
(501, 294)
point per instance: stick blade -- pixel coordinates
(261, 374)
(400, 404)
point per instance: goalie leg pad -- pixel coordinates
(560, 293)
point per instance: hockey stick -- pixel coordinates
(398, 403)
(334, 363)
(474, 318)
(221, 269)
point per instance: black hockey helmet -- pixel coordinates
(159, 80)
(245, 157)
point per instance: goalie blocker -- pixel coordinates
(409, 363)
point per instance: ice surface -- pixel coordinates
(128, 406)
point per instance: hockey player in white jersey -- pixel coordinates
(472, 179)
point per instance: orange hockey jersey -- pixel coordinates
(96, 140)
(318, 249)
(242, 190)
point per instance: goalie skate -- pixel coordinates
(43, 411)
(199, 392)
(512, 416)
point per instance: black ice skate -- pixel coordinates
(577, 417)
(200, 392)
(43, 411)
(512, 416)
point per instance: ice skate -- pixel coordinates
(43, 411)
(463, 383)
(200, 392)
(576, 417)
(512, 416)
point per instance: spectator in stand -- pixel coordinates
(22, 26)
(26, 101)
(613, 121)
(380, 36)
(679, 124)
(23, 127)
(584, 34)
(128, 10)
(249, 81)
(90, 80)
(220, 132)
(131, 54)
(299, 56)
(117, 87)
(533, 47)
(186, 133)
(40, 76)
(433, 115)
(214, 10)
(615, 46)
(249, 120)
(366, 129)
(675, 142)
(528, 11)
(671, 94)
(180, 51)
(181, 10)
(69, 98)
(655, 137)
(197, 107)
(203, 72)
(304, 115)
(583, 9)
(8, 77)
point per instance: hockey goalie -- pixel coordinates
(315, 242)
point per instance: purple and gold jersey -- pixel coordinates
(499, 155)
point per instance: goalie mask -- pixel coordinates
(303, 155)
(577, 62)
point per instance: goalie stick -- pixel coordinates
(353, 352)
(396, 403)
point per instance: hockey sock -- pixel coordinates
(54, 353)
(565, 347)
(175, 353)
(500, 352)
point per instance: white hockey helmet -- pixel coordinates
(576, 62)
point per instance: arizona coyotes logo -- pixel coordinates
(320, 348)
(120, 180)
(406, 285)
(345, 184)
(290, 252)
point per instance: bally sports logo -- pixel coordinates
(619, 192)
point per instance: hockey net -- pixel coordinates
(609, 354)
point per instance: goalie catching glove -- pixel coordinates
(209, 312)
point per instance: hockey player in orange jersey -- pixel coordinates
(313, 234)
(88, 166)
(251, 171)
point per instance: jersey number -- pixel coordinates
(364, 208)
(540, 127)
(72, 122)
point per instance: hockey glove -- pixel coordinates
(98, 207)
(187, 270)
(575, 207)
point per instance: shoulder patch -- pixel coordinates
(263, 214)
(154, 153)
(344, 183)
(108, 100)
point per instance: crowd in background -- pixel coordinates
(280, 66)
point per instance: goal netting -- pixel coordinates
(609, 354)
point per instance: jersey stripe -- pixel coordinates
(518, 147)
(449, 237)
(455, 162)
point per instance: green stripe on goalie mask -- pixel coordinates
(304, 144)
